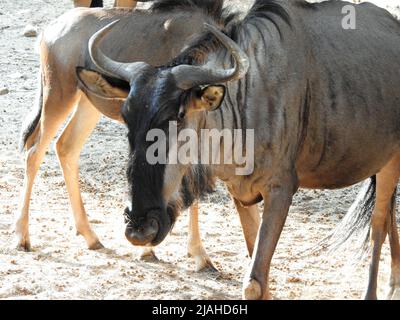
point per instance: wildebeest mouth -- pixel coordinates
(167, 224)
(153, 229)
(142, 235)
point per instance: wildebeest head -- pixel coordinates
(158, 96)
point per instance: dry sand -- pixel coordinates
(60, 267)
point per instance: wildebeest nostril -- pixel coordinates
(153, 226)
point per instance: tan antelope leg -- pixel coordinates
(386, 181)
(82, 3)
(68, 148)
(250, 220)
(125, 3)
(195, 245)
(54, 112)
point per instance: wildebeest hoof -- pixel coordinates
(24, 246)
(96, 246)
(208, 268)
(252, 290)
(370, 296)
(204, 265)
(149, 256)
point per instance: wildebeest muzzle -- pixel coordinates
(148, 230)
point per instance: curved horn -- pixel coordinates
(112, 68)
(188, 76)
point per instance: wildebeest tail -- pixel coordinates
(197, 183)
(356, 222)
(96, 3)
(32, 120)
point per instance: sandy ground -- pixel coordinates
(60, 267)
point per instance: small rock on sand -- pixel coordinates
(17, 75)
(30, 31)
(4, 91)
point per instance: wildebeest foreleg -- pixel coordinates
(382, 222)
(68, 147)
(276, 207)
(250, 220)
(195, 245)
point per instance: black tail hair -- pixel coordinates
(33, 118)
(96, 3)
(357, 221)
(393, 209)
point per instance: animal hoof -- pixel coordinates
(370, 296)
(149, 256)
(24, 246)
(205, 265)
(208, 269)
(396, 294)
(96, 246)
(252, 290)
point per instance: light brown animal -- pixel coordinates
(63, 47)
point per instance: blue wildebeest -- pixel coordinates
(324, 104)
(155, 35)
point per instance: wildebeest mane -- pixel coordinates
(210, 7)
(267, 9)
(308, 5)
(271, 10)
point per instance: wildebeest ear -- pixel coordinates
(96, 83)
(106, 98)
(210, 98)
